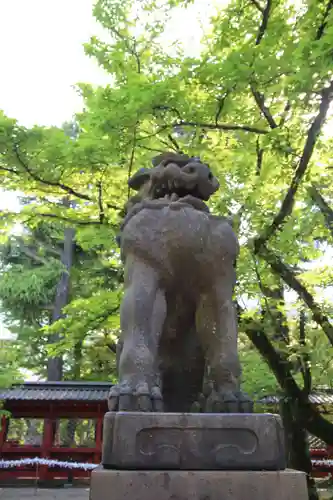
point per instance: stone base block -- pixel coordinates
(197, 485)
(193, 441)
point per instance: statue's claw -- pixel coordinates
(124, 397)
(224, 402)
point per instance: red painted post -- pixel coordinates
(46, 448)
(3, 430)
(98, 440)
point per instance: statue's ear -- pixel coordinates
(139, 178)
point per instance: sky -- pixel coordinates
(42, 56)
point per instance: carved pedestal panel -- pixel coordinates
(193, 441)
(197, 485)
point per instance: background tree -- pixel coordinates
(255, 104)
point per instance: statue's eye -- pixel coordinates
(191, 170)
(210, 176)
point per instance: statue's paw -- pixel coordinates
(125, 397)
(224, 402)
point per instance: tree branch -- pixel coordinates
(37, 178)
(56, 184)
(282, 270)
(220, 126)
(168, 108)
(174, 143)
(260, 100)
(264, 22)
(130, 166)
(257, 5)
(131, 50)
(324, 208)
(5, 169)
(149, 136)
(289, 200)
(151, 149)
(221, 103)
(260, 155)
(74, 222)
(100, 203)
(321, 28)
(112, 347)
(31, 254)
(284, 114)
(47, 248)
(304, 357)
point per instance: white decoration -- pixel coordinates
(322, 463)
(6, 464)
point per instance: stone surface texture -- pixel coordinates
(197, 485)
(193, 441)
(178, 345)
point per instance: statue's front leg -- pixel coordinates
(217, 327)
(142, 317)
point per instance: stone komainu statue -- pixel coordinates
(178, 344)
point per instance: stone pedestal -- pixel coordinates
(197, 485)
(177, 456)
(193, 441)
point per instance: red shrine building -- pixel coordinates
(52, 420)
(63, 421)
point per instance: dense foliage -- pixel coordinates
(256, 105)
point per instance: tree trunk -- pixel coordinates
(55, 364)
(297, 446)
(73, 423)
(77, 354)
(313, 421)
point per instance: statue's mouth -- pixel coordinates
(175, 193)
